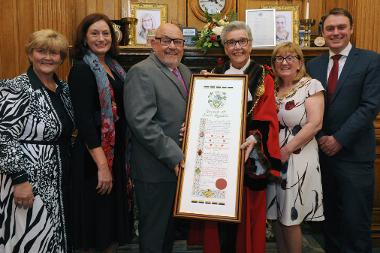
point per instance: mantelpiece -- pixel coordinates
(197, 60)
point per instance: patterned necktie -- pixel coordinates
(179, 76)
(333, 77)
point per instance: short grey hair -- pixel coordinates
(235, 25)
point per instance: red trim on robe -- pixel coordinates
(264, 112)
(251, 232)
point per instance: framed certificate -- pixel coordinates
(263, 26)
(211, 185)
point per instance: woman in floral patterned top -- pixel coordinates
(300, 103)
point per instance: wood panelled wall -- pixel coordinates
(19, 18)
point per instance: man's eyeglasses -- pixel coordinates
(165, 41)
(232, 43)
(288, 59)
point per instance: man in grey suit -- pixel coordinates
(155, 97)
(351, 77)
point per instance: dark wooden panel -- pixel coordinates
(198, 60)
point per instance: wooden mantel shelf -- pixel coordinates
(197, 59)
(262, 51)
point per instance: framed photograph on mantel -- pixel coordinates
(210, 187)
(287, 22)
(149, 17)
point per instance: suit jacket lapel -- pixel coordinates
(350, 62)
(170, 75)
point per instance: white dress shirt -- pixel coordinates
(342, 59)
(234, 71)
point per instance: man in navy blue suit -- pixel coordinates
(351, 77)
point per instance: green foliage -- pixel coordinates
(209, 37)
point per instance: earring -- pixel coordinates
(85, 43)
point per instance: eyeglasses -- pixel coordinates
(232, 43)
(46, 52)
(166, 41)
(288, 59)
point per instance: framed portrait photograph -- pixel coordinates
(189, 35)
(262, 24)
(287, 22)
(211, 185)
(149, 17)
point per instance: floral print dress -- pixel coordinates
(299, 196)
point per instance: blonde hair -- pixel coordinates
(289, 47)
(48, 39)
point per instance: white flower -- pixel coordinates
(222, 22)
(217, 30)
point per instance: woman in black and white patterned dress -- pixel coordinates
(36, 123)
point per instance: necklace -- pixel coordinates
(51, 86)
(259, 92)
(292, 91)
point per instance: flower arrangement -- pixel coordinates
(210, 35)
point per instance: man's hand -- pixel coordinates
(23, 195)
(329, 145)
(178, 167)
(205, 72)
(181, 132)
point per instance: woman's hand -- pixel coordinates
(104, 174)
(104, 180)
(285, 154)
(23, 195)
(248, 146)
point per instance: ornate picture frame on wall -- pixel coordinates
(287, 22)
(149, 17)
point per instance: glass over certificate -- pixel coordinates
(210, 186)
(263, 25)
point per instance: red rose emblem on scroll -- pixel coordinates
(290, 105)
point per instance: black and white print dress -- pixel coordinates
(35, 131)
(299, 196)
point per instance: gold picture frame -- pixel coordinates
(287, 20)
(149, 17)
(211, 185)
